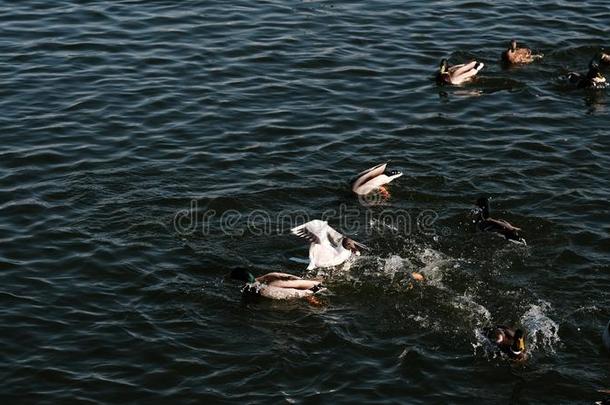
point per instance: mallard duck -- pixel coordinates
(485, 223)
(328, 247)
(514, 55)
(277, 286)
(457, 74)
(509, 341)
(592, 79)
(374, 179)
(606, 336)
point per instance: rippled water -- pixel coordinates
(116, 116)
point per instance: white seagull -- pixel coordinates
(373, 179)
(328, 247)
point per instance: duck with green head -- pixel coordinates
(277, 286)
(509, 341)
(457, 74)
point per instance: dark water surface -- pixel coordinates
(117, 115)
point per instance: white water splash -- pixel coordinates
(542, 332)
(482, 344)
(473, 311)
(395, 264)
(434, 263)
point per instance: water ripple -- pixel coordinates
(118, 115)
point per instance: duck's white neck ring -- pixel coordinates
(516, 353)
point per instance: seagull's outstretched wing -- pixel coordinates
(314, 231)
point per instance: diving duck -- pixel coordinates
(606, 337)
(485, 223)
(509, 341)
(593, 79)
(327, 246)
(277, 286)
(457, 74)
(374, 179)
(514, 55)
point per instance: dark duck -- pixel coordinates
(509, 341)
(593, 79)
(486, 223)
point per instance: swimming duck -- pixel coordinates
(485, 223)
(328, 247)
(277, 286)
(592, 79)
(514, 55)
(457, 74)
(606, 337)
(374, 179)
(509, 341)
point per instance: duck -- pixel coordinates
(374, 179)
(327, 247)
(593, 79)
(508, 341)
(606, 336)
(276, 285)
(485, 223)
(605, 58)
(514, 55)
(457, 74)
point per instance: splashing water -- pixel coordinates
(434, 263)
(542, 332)
(482, 344)
(474, 312)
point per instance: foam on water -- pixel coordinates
(119, 116)
(542, 333)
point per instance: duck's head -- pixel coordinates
(482, 207)
(355, 247)
(594, 67)
(518, 346)
(443, 67)
(513, 45)
(239, 273)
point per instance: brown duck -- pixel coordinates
(517, 56)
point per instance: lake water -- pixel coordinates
(129, 128)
